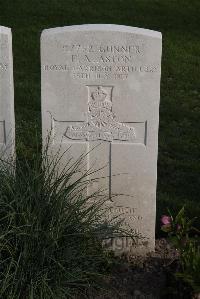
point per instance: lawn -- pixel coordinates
(179, 22)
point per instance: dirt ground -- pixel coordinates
(147, 278)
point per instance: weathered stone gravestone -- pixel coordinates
(101, 85)
(7, 123)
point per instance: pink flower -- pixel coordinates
(166, 223)
(166, 220)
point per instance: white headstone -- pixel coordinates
(7, 122)
(101, 85)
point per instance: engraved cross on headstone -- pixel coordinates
(103, 129)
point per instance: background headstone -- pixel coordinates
(101, 87)
(7, 122)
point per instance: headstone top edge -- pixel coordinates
(5, 30)
(102, 27)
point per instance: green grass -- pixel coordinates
(179, 21)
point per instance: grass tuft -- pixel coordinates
(51, 232)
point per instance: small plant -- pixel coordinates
(186, 239)
(190, 262)
(51, 232)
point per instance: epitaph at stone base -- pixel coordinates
(101, 89)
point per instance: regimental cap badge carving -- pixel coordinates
(99, 94)
(101, 123)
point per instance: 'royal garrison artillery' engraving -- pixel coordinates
(101, 121)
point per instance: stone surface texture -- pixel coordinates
(7, 121)
(101, 93)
